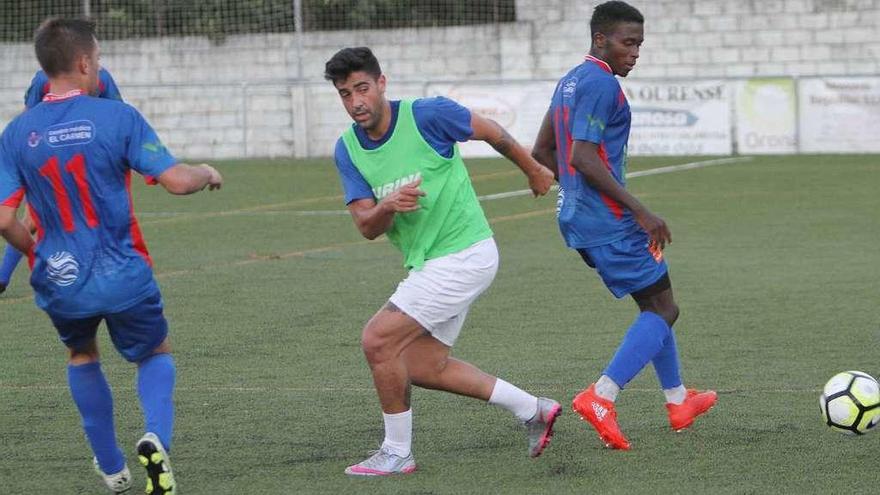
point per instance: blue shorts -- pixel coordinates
(628, 265)
(135, 332)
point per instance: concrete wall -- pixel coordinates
(263, 95)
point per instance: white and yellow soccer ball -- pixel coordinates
(850, 403)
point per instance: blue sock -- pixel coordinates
(93, 398)
(11, 257)
(666, 364)
(640, 344)
(155, 384)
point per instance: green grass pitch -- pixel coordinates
(775, 264)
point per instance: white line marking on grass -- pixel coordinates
(255, 210)
(689, 166)
(163, 216)
(298, 213)
(266, 209)
(632, 175)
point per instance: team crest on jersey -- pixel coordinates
(34, 139)
(70, 133)
(62, 269)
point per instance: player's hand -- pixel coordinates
(216, 180)
(540, 180)
(405, 199)
(656, 228)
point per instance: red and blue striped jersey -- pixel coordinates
(72, 157)
(589, 105)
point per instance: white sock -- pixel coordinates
(522, 404)
(606, 388)
(675, 395)
(398, 433)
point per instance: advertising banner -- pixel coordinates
(679, 118)
(518, 106)
(840, 115)
(766, 116)
(668, 118)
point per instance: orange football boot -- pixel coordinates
(601, 415)
(696, 403)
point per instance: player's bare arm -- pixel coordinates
(187, 179)
(374, 219)
(540, 178)
(14, 231)
(585, 158)
(544, 150)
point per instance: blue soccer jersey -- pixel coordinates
(72, 157)
(589, 105)
(441, 121)
(39, 88)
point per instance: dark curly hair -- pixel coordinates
(348, 60)
(606, 15)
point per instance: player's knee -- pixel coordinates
(83, 356)
(375, 347)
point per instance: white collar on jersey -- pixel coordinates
(69, 94)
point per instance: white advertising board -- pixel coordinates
(668, 118)
(518, 106)
(766, 116)
(840, 115)
(679, 118)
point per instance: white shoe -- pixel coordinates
(382, 463)
(154, 458)
(117, 483)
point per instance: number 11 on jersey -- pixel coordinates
(76, 166)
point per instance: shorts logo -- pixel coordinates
(70, 133)
(63, 269)
(34, 139)
(655, 252)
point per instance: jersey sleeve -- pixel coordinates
(108, 89)
(37, 90)
(11, 185)
(354, 186)
(594, 106)
(442, 122)
(145, 153)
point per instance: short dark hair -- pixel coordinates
(58, 42)
(349, 60)
(606, 15)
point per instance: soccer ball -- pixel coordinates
(850, 402)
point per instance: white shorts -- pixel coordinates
(438, 296)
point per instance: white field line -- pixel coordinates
(487, 197)
(632, 175)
